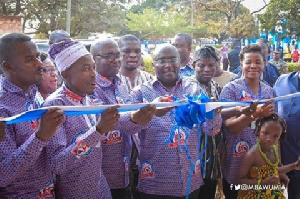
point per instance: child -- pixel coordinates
(260, 165)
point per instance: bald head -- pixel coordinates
(106, 54)
(100, 44)
(162, 48)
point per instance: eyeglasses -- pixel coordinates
(164, 61)
(49, 70)
(109, 56)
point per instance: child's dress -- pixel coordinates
(257, 173)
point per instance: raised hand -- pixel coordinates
(248, 110)
(49, 123)
(108, 120)
(265, 110)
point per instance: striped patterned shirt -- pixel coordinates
(142, 77)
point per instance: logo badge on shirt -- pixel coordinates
(174, 142)
(81, 148)
(241, 147)
(30, 106)
(113, 137)
(48, 191)
(245, 96)
(147, 170)
(197, 169)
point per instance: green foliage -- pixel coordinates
(154, 24)
(218, 46)
(226, 18)
(283, 14)
(40, 36)
(87, 16)
(157, 5)
(148, 64)
(293, 66)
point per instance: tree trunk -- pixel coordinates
(4, 10)
(18, 7)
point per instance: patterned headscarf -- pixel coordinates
(67, 53)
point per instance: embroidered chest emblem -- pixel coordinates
(48, 191)
(241, 147)
(177, 139)
(30, 106)
(80, 148)
(245, 96)
(147, 170)
(113, 137)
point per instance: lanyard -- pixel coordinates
(253, 96)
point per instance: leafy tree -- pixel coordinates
(225, 18)
(282, 15)
(154, 24)
(157, 5)
(88, 16)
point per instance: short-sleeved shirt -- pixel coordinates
(240, 143)
(164, 166)
(24, 169)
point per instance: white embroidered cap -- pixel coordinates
(67, 53)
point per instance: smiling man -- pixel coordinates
(164, 167)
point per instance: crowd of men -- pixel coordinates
(122, 155)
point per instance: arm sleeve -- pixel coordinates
(17, 159)
(63, 155)
(212, 127)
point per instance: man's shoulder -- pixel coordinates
(146, 74)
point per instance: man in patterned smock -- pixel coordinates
(117, 145)
(24, 168)
(75, 152)
(164, 166)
